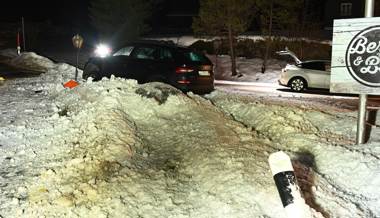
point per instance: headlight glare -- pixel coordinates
(102, 50)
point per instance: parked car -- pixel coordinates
(305, 74)
(150, 61)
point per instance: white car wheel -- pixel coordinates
(298, 84)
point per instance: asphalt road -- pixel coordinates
(275, 90)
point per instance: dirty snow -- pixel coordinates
(115, 148)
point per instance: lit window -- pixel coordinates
(345, 9)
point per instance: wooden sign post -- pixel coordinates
(355, 65)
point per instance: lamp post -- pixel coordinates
(77, 42)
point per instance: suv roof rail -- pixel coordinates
(164, 42)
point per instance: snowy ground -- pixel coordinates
(115, 148)
(249, 70)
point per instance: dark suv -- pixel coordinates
(150, 61)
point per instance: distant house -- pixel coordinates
(341, 9)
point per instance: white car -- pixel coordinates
(305, 74)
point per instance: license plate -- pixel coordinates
(204, 73)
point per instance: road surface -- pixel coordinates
(275, 90)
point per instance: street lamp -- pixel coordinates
(77, 42)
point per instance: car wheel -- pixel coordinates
(91, 70)
(298, 84)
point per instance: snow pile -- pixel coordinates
(32, 61)
(187, 40)
(342, 178)
(180, 40)
(8, 53)
(115, 148)
(27, 60)
(137, 151)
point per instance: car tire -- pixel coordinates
(298, 84)
(91, 70)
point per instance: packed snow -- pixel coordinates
(115, 148)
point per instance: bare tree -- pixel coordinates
(277, 15)
(224, 18)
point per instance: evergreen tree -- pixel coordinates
(119, 21)
(225, 18)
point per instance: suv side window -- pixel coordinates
(165, 54)
(150, 53)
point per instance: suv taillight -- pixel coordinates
(183, 70)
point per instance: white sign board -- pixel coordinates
(355, 64)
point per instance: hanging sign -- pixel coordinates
(355, 65)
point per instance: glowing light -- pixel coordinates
(102, 50)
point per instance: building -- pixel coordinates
(342, 9)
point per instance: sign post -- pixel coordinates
(356, 61)
(369, 10)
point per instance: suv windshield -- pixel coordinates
(124, 51)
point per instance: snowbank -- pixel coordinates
(130, 150)
(189, 40)
(115, 148)
(26, 60)
(342, 178)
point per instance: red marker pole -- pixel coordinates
(18, 43)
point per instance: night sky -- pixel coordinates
(69, 12)
(70, 17)
(41, 10)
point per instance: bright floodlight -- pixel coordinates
(102, 50)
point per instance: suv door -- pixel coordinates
(151, 63)
(117, 64)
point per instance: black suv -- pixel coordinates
(150, 61)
